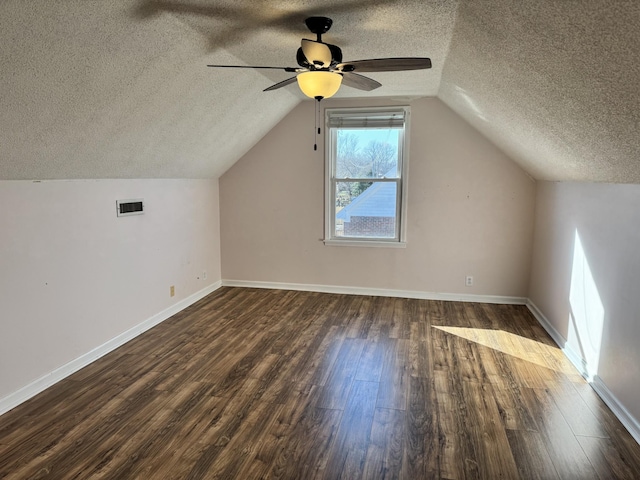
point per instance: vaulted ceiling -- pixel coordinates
(95, 89)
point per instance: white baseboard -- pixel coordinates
(575, 358)
(25, 393)
(378, 292)
(618, 409)
(628, 420)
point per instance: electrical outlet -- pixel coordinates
(204, 275)
(172, 290)
(468, 281)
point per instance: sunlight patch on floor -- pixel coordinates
(535, 352)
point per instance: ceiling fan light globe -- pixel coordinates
(319, 84)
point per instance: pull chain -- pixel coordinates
(316, 127)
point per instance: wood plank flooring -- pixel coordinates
(252, 383)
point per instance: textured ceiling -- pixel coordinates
(95, 89)
(554, 84)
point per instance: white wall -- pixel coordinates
(586, 262)
(74, 276)
(470, 212)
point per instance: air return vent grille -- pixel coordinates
(134, 206)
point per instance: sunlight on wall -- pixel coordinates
(586, 318)
(524, 348)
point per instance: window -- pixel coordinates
(366, 169)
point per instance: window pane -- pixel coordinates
(366, 209)
(367, 153)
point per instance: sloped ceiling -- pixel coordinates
(95, 89)
(554, 84)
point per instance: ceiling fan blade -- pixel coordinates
(385, 64)
(317, 53)
(286, 69)
(360, 82)
(281, 84)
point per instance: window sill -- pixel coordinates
(364, 243)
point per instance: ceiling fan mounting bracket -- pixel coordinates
(318, 25)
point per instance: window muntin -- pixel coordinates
(366, 170)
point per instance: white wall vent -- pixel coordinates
(134, 206)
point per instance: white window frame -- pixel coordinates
(330, 180)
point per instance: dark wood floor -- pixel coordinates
(278, 384)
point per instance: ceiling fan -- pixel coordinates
(321, 70)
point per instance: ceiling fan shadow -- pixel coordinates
(234, 22)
